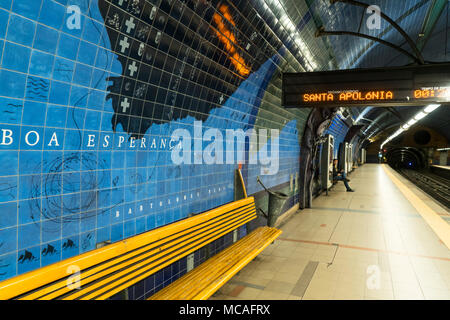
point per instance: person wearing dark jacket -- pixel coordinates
(339, 175)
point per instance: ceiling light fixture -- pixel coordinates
(419, 116)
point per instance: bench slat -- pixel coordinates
(219, 267)
(126, 278)
(201, 282)
(108, 270)
(105, 269)
(236, 261)
(204, 272)
(167, 253)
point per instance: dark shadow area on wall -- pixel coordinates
(154, 84)
(319, 120)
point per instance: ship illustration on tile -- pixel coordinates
(49, 250)
(26, 256)
(170, 71)
(69, 244)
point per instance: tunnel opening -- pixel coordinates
(406, 158)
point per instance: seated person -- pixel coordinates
(339, 175)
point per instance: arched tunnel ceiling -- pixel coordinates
(411, 15)
(294, 23)
(380, 120)
(427, 22)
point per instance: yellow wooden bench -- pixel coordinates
(103, 272)
(203, 281)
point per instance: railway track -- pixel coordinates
(436, 186)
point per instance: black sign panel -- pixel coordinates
(414, 85)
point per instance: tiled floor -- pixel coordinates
(370, 244)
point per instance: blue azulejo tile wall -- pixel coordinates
(338, 129)
(91, 92)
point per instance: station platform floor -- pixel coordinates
(386, 240)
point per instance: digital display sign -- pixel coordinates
(349, 96)
(432, 93)
(416, 85)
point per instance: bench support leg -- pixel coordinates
(190, 262)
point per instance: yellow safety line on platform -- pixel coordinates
(436, 223)
(442, 167)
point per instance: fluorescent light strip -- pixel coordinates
(281, 16)
(443, 149)
(430, 108)
(419, 116)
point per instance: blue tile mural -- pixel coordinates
(91, 94)
(338, 129)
